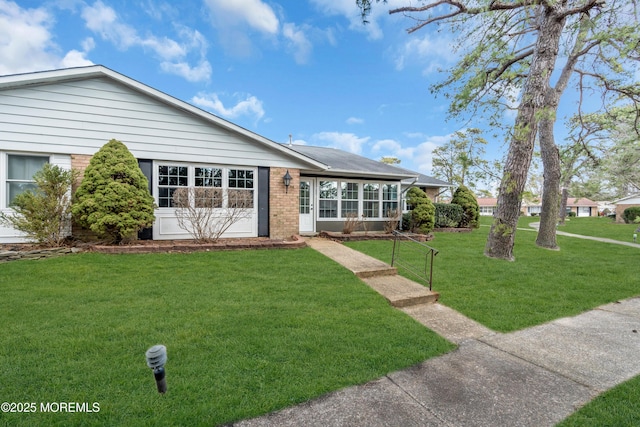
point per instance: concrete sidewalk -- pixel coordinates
(533, 377)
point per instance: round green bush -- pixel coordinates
(423, 212)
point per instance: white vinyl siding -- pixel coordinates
(11, 178)
(79, 117)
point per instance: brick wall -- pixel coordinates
(79, 162)
(283, 206)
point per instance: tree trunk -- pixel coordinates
(551, 186)
(503, 229)
(563, 205)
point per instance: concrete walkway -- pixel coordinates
(533, 377)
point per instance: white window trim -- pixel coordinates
(4, 167)
(191, 179)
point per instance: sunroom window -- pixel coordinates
(349, 199)
(371, 197)
(389, 199)
(328, 199)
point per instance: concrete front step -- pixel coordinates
(400, 291)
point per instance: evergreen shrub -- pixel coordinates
(423, 212)
(465, 198)
(447, 215)
(113, 200)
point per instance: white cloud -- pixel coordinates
(344, 141)
(355, 121)
(75, 58)
(248, 106)
(297, 42)
(173, 54)
(26, 43)
(199, 73)
(255, 13)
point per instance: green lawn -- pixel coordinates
(617, 407)
(600, 227)
(247, 332)
(541, 285)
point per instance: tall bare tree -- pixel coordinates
(517, 47)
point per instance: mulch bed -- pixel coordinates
(170, 246)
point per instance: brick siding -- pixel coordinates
(284, 215)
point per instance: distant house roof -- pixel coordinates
(349, 164)
(572, 201)
(487, 201)
(633, 199)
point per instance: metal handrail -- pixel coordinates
(423, 271)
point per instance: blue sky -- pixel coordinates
(306, 68)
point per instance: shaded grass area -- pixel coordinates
(617, 407)
(541, 285)
(247, 333)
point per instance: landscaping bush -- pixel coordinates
(447, 215)
(465, 198)
(571, 214)
(630, 214)
(44, 214)
(423, 213)
(113, 200)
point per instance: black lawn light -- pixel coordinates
(156, 359)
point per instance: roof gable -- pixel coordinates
(75, 76)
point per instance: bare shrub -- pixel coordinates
(351, 222)
(205, 214)
(391, 220)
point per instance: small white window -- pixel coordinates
(20, 171)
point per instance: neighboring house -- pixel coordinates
(65, 116)
(624, 203)
(487, 205)
(581, 207)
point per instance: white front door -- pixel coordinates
(307, 221)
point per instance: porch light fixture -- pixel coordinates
(156, 358)
(287, 181)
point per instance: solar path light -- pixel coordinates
(156, 358)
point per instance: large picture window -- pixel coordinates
(20, 171)
(209, 186)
